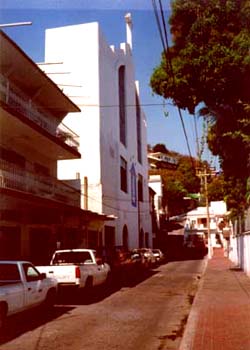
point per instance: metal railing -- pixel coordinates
(17, 100)
(15, 178)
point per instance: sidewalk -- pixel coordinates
(220, 315)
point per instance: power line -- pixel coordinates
(115, 208)
(173, 77)
(109, 198)
(116, 105)
(165, 44)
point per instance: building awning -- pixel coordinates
(68, 210)
(22, 71)
(90, 215)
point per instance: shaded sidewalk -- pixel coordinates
(220, 315)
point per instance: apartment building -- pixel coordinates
(38, 213)
(212, 220)
(160, 160)
(113, 170)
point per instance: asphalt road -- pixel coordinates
(147, 314)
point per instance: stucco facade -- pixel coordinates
(35, 207)
(38, 212)
(88, 72)
(155, 182)
(197, 222)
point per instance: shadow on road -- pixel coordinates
(177, 252)
(97, 294)
(67, 300)
(21, 323)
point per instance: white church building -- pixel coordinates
(113, 168)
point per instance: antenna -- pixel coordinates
(15, 24)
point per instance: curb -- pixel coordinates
(189, 332)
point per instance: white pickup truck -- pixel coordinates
(78, 268)
(22, 287)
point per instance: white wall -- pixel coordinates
(155, 182)
(92, 67)
(77, 48)
(112, 149)
(239, 251)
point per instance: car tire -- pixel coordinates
(88, 285)
(50, 299)
(108, 281)
(88, 289)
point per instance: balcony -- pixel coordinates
(18, 179)
(17, 100)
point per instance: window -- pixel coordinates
(72, 257)
(140, 188)
(202, 221)
(31, 273)
(123, 174)
(138, 128)
(133, 183)
(122, 107)
(9, 272)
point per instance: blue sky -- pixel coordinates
(147, 50)
(79, 4)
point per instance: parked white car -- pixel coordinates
(23, 287)
(79, 268)
(147, 256)
(159, 256)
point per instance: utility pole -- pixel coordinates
(203, 175)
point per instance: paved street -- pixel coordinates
(148, 314)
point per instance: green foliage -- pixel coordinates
(235, 196)
(186, 174)
(209, 63)
(216, 188)
(248, 191)
(178, 183)
(160, 147)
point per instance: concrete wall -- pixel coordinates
(239, 247)
(155, 182)
(91, 80)
(239, 251)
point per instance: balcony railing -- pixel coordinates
(15, 178)
(17, 100)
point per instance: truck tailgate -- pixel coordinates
(64, 274)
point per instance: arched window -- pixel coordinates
(125, 237)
